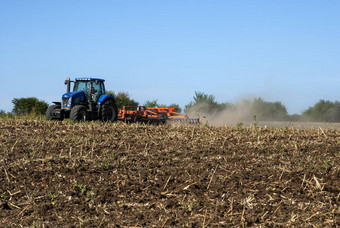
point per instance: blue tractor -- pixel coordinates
(88, 101)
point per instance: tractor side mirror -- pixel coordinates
(66, 81)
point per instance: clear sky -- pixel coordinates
(286, 50)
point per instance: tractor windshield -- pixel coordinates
(82, 86)
(85, 86)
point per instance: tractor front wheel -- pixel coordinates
(78, 113)
(109, 111)
(50, 110)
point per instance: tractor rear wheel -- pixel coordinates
(49, 111)
(79, 113)
(109, 111)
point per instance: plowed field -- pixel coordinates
(60, 174)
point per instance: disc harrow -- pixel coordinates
(155, 115)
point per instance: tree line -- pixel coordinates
(323, 111)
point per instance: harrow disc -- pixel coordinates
(183, 121)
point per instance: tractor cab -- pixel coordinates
(93, 88)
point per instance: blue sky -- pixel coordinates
(286, 51)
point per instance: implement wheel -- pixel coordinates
(79, 113)
(109, 111)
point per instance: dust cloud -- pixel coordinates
(238, 113)
(243, 113)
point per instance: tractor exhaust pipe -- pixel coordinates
(68, 83)
(91, 103)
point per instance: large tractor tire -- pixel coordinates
(49, 111)
(79, 113)
(109, 111)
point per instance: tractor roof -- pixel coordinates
(89, 79)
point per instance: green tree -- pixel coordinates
(264, 110)
(152, 103)
(3, 113)
(201, 97)
(176, 107)
(323, 111)
(295, 117)
(30, 105)
(205, 103)
(123, 99)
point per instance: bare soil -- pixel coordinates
(298, 125)
(61, 174)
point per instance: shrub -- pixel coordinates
(30, 105)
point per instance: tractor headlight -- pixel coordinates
(69, 102)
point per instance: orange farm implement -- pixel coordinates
(154, 115)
